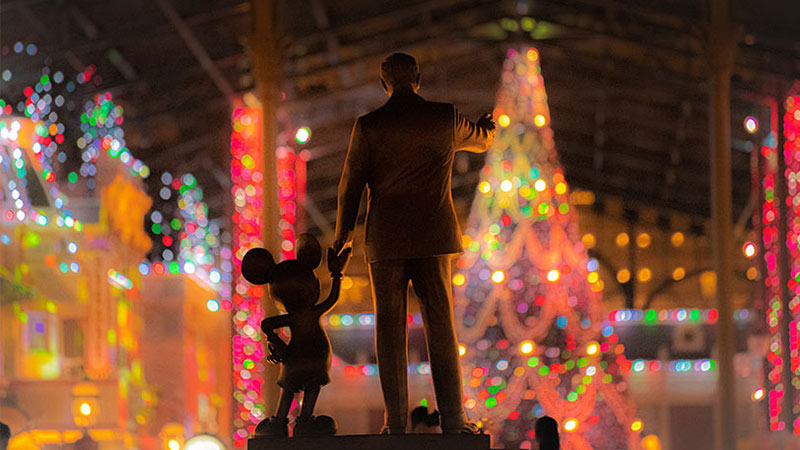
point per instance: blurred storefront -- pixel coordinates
(80, 354)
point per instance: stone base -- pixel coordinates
(375, 442)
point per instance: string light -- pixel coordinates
(671, 316)
(623, 275)
(302, 135)
(526, 347)
(498, 276)
(750, 124)
(645, 275)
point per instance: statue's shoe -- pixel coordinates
(273, 427)
(387, 430)
(315, 426)
(467, 428)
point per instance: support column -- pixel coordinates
(721, 52)
(266, 62)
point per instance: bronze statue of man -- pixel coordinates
(403, 153)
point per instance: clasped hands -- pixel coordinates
(338, 258)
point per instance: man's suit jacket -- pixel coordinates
(403, 153)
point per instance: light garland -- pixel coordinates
(791, 130)
(670, 316)
(248, 352)
(287, 199)
(364, 320)
(527, 297)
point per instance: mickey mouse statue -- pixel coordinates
(306, 359)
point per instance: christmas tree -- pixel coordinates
(528, 302)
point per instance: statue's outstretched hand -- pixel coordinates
(486, 122)
(337, 261)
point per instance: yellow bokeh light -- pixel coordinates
(485, 187)
(678, 273)
(561, 188)
(504, 120)
(506, 185)
(459, 279)
(636, 425)
(677, 239)
(752, 273)
(643, 240)
(347, 283)
(651, 442)
(465, 240)
(173, 445)
(498, 276)
(588, 240)
(526, 347)
(749, 249)
(623, 239)
(86, 409)
(645, 275)
(570, 424)
(533, 54)
(592, 348)
(623, 276)
(539, 120)
(553, 275)
(592, 277)
(462, 350)
(540, 185)
(597, 287)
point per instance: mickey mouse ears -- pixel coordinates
(258, 264)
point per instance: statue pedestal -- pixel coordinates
(375, 442)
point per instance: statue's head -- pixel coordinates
(399, 72)
(291, 282)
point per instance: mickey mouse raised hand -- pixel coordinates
(306, 359)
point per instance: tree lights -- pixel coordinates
(536, 341)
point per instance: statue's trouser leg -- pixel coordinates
(309, 401)
(431, 280)
(389, 281)
(284, 404)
